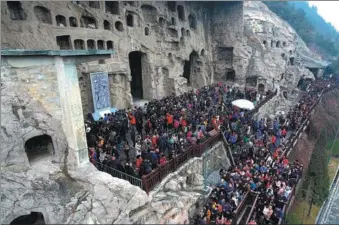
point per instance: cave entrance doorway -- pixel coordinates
(191, 68)
(261, 88)
(35, 218)
(187, 72)
(39, 147)
(230, 75)
(140, 70)
(314, 71)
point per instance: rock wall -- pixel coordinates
(30, 107)
(167, 33)
(48, 185)
(272, 52)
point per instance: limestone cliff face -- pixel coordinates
(274, 48)
(49, 185)
(169, 34)
(274, 56)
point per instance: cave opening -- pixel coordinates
(314, 71)
(187, 72)
(190, 67)
(135, 63)
(34, 218)
(230, 75)
(64, 42)
(39, 147)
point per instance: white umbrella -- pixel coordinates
(243, 104)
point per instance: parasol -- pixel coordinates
(243, 104)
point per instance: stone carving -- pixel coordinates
(100, 90)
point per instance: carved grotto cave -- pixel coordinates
(34, 218)
(43, 14)
(139, 67)
(39, 147)
(230, 75)
(190, 68)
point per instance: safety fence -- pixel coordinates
(149, 181)
(118, 174)
(245, 207)
(291, 142)
(291, 198)
(263, 102)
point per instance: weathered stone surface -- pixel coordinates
(275, 56)
(195, 179)
(170, 42)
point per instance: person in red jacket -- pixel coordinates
(138, 162)
(183, 123)
(284, 161)
(273, 139)
(163, 159)
(169, 118)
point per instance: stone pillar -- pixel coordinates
(70, 101)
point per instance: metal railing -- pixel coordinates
(240, 214)
(252, 208)
(290, 199)
(118, 174)
(151, 180)
(263, 102)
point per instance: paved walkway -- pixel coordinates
(329, 212)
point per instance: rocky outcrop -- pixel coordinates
(86, 196)
(46, 184)
(274, 52)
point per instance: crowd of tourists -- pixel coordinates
(138, 140)
(260, 168)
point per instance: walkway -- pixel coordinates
(329, 212)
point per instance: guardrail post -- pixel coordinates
(145, 184)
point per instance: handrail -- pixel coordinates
(116, 173)
(151, 180)
(240, 208)
(292, 195)
(252, 209)
(263, 102)
(228, 151)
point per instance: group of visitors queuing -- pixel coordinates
(260, 167)
(137, 141)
